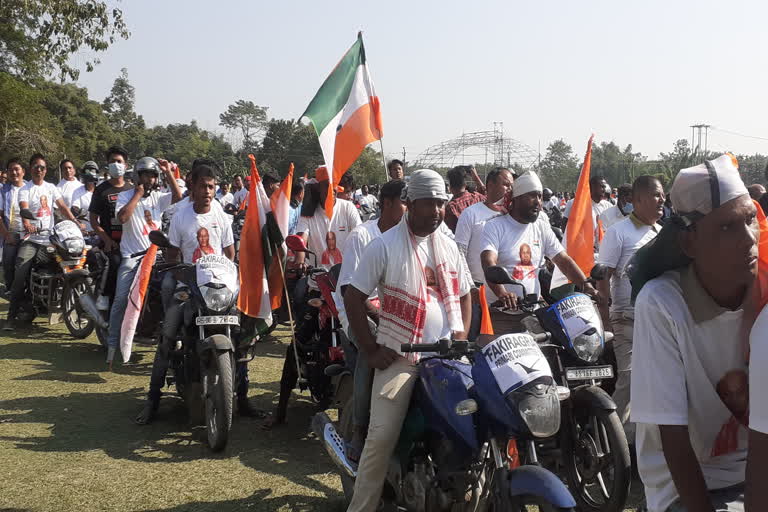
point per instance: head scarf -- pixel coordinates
(425, 184)
(528, 182)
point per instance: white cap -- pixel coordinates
(699, 190)
(425, 184)
(528, 182)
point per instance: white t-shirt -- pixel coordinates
(41, 200)
(357, 240)
(225, 199)
(372, 268)
(345, 219)
(621, 242)
(198, 234)
(758, 380)
(469, 236)
(521, 249)
(9, 203)
(240, 196)
(686, 355)
(68, 189)
(368, 200)
(147, 216)
(82, 199)
(611, 216)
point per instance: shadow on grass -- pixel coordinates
(259, 501)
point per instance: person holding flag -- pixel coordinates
(520, 241)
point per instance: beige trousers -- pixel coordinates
(623, 327)
(391, 396)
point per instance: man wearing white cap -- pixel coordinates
(423, 286)
(519, 242)
(689, 383)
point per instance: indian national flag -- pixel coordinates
(280, 202)
(346, 114)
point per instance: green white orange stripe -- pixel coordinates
(346, 114)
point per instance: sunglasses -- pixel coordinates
(38, 167)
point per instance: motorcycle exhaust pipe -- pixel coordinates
(333, 442)
(90, 309)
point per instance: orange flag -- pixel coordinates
(280, 202)
(580, 232)
(486, 327)
(176, 172)
(254, 289)
(135, 302)
(762, 258)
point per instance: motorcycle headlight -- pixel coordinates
(75, 247)
(539, 406)
(588, 345)
(217, 300)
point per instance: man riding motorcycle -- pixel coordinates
(197, 229)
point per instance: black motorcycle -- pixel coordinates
(591, 446)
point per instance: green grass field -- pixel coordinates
(68, 441)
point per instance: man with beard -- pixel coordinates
(687, 352)
(503, 238)
(414, 309)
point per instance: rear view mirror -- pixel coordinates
(499, 275)
(159, 239)
(26, 214)
(296, 243)
(598, 272)
(230, 209)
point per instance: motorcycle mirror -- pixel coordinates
(499, 275)
(26, 214)
(230, 209)
(598, 272)
(296, 243)
(159, 239)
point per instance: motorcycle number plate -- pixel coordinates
(217, 320)
(589, 373)
(70, 263)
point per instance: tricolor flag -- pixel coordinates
(346, 115)
(280, 202)
(135, 302)
(580, 231)
(254, 298)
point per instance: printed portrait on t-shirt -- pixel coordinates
(525, 271)
(149, 223)
(203, 244)
(733, 390)
(44, 210)
(332, 255)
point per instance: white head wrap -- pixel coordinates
(699, 190)
(528, 182)
(425, 184)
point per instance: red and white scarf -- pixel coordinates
(404, 291)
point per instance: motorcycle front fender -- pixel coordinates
(215, 342)
(592, 396)
(537, 481)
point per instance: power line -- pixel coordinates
(739, 134)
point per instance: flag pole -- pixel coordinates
(290, 317)
(384, 161)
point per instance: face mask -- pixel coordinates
(628, 208)
(116, 170)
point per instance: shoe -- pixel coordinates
(244, 408)
(147, 414)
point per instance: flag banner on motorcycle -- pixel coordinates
(346, 115)
(135, 301)
(66, 230)
(254, 298)
(515, 360)
(214, 268)
(579, 239)
(577, 314)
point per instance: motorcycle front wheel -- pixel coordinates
(598, 466)
(218, 392)
(78, 323)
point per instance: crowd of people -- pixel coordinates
(413, 270)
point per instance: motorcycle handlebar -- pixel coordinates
(137, 254)
(445, 346)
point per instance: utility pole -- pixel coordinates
(403, 157)
(698, 129)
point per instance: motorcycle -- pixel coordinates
(319, 356)
(59, 277)
(202, 356)
(591, 444)
(468, 442)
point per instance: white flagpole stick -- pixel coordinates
(384, 161)
(290, 318)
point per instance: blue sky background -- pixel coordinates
(634, 72)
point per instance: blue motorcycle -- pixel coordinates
(468, 440)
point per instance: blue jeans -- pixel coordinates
(125, 275)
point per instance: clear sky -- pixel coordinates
(636, 72)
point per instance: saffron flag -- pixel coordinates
(136, 301)
(346, 115)
(762, 259)
(254, 288)
(486, 327)
(280, 202)
(579, 239)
